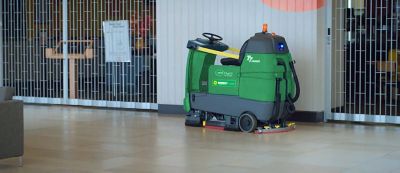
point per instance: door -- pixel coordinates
(53, 52)
(365, 71)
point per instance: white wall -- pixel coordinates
(181, 20)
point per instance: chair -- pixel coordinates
(11, 125)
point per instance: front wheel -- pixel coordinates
(247, 122)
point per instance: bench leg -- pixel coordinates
(20, 161)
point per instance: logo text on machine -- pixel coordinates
(252, 60)
(222, 73)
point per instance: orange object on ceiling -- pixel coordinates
(295, 5)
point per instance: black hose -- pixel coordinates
(289, 105)
(282, 63)
(290, 108)
(277, 105)
(296, 80)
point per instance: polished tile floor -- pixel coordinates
(79, 140)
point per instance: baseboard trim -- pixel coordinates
(299, 116)
(171, 109)
(307, 116)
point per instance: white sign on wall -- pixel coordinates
(117, 41)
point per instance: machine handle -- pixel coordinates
(296, 80)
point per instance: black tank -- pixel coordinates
(266, 43)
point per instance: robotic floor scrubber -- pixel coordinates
(254, 89)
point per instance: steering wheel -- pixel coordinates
(212, 37)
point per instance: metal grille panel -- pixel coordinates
(26, 32)
(41, 56)
(365, 59)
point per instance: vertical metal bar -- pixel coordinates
(4, 44)
(377, 54)
(80, 35)
(357, 59)
(380, 56)
(397, 10)
(84, 93)
(46, 63)
(21, 48)
(65, 49)
(389, 48)
(138, 53)
(377, 82)
(38, 18)
(30, 48)
(89, 36)
(118, 78)
(96, 81)
(8, 48)
(36, 42)
(10, 44)
(388, 77)
(349, 60)
(39, 48)
(122, 64)
(109, 78)
(58, 68)
(81, 63)
(130, 67)
(11, 56)
(144, 37)
(114, 65)
(85, 35)
(352, 62)
(343, 82)
(71, 34)
(355, 62)
(135, 57)
(1, 45)
(103, 89)
(16, 59)
(54, 43)
(371, 103)
(360, 81)
(18, 49)
(394, 48)
(76, 30)
(21, 51)
(24, 50)
(153, 34)
(365, 61)
(53, 29)
(334, 59)
(49, 63)
(343, 22)
(75, 48)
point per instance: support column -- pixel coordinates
(328, 61)
(65, 50)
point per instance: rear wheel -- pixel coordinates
(247, 122)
